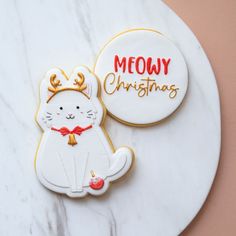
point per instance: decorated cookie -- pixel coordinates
(75, 155)
(144, 77)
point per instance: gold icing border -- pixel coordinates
(130, 123)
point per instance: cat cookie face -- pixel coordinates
(62, 102)
(75, 156)
(59, 112)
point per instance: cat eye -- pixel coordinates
(61, 108)
(77, 107)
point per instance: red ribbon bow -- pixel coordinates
(77, 130)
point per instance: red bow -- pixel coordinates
(77, 130)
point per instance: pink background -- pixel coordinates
(214, 24)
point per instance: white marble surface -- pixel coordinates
(175, 161)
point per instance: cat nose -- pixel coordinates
(70, 114)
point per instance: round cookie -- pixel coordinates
(144, 77)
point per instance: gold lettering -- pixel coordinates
(111, 76)
(113, 83)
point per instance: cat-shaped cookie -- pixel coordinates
(75, 155)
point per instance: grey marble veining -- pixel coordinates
(176, 160)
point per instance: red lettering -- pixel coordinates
(137, 65)
(153, 68)
(141, 65)
(166, 65)
(130, 62)
(119, 64)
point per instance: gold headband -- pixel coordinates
(56, 85)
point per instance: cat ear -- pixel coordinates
(52, 81)
(90, 83)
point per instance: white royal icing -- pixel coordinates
(144, 58)
(91, 164)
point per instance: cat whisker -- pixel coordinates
(50, 119)
(49, 113)
(88, 117)
(89, 111)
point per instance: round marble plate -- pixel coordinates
(176, 161)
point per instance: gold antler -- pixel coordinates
(55, 83)
(80, 82)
